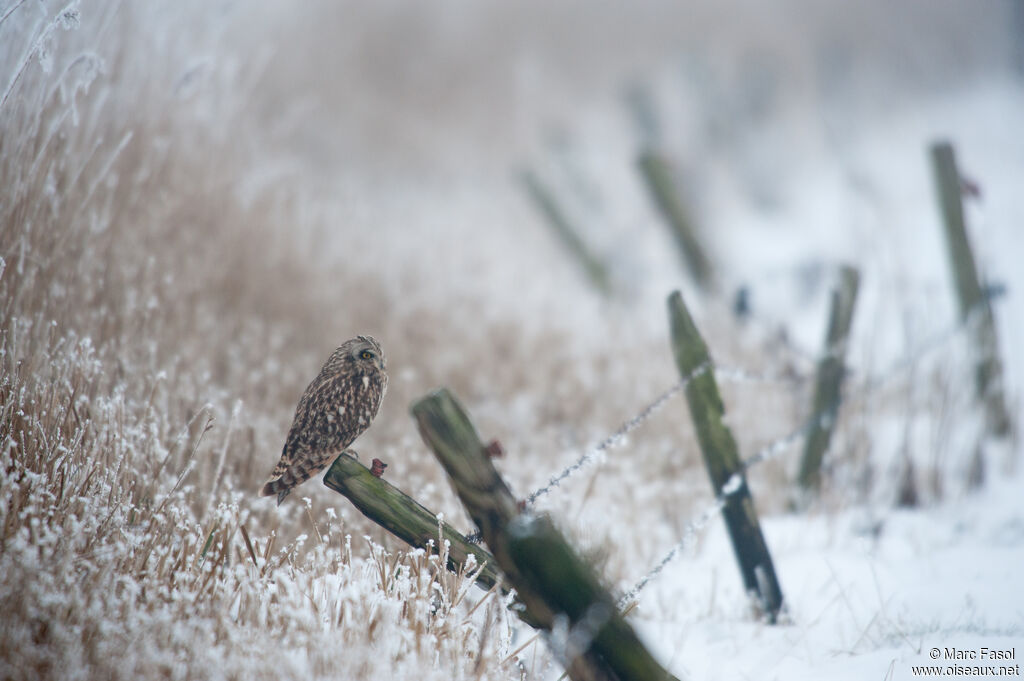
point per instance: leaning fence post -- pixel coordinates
(658, 175)
(975, 307)
(567, 234)
(404, 517)
(831, 368)
(721, 457)
(550, 579)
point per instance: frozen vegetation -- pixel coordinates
(199, 201)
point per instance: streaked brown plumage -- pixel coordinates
(336, 408)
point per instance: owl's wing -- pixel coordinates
(323, 426)
(296, 436)
(295, 445)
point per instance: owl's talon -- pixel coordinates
(377, 468)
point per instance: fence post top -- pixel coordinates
(440, 394)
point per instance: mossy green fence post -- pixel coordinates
(404, 517)
(829, 379)
(975, 307)
(658, 175)
(549, 577)
(722, 460)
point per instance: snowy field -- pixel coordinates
(200, 201)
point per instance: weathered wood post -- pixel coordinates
(404, 517)
(830, 372)
(658, 176)
(721, 458)
(550, 579)
(566, 233)
(975, 307)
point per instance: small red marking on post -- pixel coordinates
(377, 468)
(494, 449)
(969, 187)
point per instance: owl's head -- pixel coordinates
(363, 353)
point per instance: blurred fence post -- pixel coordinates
(553, 583)
(640, 104)
(566, 233)
(829, 379)
(721, 457)
(975, 307)
(658, 175)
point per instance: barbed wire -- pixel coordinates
(768, 452)
(740, 375)
(732, 485)
(777, 446)
(619, 436)
(726, 373)
(610, 442)
(690, 533)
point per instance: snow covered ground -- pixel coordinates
(869, 594)
(207, 199)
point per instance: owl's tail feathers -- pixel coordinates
(278, 487)
(303, 466)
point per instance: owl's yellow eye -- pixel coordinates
(366, 354)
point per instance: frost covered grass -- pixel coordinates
(190, 222)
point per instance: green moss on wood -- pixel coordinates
(721, 457)
(404, 517)
(549, 578)
(549, 566)
(829, 378)
(975, 307)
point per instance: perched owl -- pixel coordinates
(336, 408)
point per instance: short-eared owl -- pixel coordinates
(336, 408)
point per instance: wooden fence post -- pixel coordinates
(830, 372)
(559, 223)
(721, 457)
(658, 175)
(975, 307)
(550, 579)
(404, 517)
